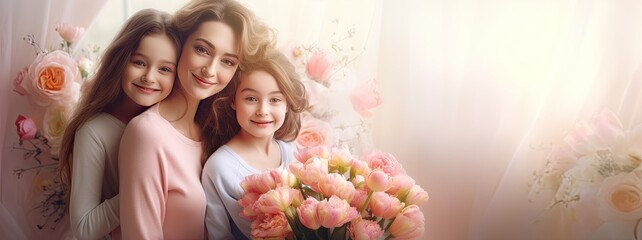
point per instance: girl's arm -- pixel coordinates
(90, 218)
(216, 215)
(142, 181)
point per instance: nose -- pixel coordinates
(262, 109)
(210, 69)
(148, 77)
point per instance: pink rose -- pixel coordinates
(384, 161)
(270, 225)
(319, 67)
(27, 129)
(620, 197)
(361, 229)
(54, 78)
(365, 97)
(314, 132)
(17, 82)
(334, 212)
(408, 224)
(69, 32)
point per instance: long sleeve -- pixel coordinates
(143, 194)
(95, 147)
(216, 216)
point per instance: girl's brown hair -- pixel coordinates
(104, 90)
(289, 82)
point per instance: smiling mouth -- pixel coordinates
(146, 89)
(261, 122)
(202, 81)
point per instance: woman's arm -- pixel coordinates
(143, 185)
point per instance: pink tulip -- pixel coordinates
(334, 212)
(340, 157)
(384, 205)
(248, 199)
(359, 182)
(360, 168)
(401, 183)
(359, 199)
(311, 172)
(319, 67)
(361, 229)
(69, 32)
(26, 127)
(276, 200)
(384, 161)
(270, 225)
(267, 180)
(416, 196)
(378, 181)
(336, 184)
(304, 154)
(17, 82)
(308, 213)
(365, 97)
(408, 224)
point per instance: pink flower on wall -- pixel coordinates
(365, 97)
(319, 67)
(27, 129)
(54, 78)
(69, 32)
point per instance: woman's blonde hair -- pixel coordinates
(254, 38)
(104, 90)
(289, 82)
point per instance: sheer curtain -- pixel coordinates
(473, 90)
(20, 18)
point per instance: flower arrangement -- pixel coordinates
(329, 194)
(52, 83)
(340, 100)
(596, 174)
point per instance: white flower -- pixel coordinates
(620, 197)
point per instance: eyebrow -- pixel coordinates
(212, 46)
(253, 90)
(147, 58)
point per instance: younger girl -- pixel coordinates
(266, 100)
(136, 71)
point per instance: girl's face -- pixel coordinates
(150, 72)
(208, 60)
(260, 106)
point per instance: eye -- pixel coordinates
(167, 69)
(201, 50)
(276, 100)
(229, 62)
(139, 63)
(250, 99)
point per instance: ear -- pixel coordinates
(233, 106)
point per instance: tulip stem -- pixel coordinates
(365, 204)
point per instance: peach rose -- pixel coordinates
(54, 78)
(620, 197)
(384, 161)
(314, 132)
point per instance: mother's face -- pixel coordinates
(208, 60)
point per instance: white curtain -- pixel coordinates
(20, 18)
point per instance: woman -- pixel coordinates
(161, 151)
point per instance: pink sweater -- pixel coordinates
(160, 192)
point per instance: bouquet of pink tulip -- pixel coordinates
(332, 195)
